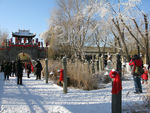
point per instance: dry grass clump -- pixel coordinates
(79, 74)
(53, 66)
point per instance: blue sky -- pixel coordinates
(32, 15)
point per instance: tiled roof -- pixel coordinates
(23, 33)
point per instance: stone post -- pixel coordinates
(97, 65)
(46, 77)
(100, 64)
(117, 98)
(65, 74)
(93, 66)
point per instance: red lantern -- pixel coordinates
(24, 40)
(46, 44)
(39, 44)
(10, 42)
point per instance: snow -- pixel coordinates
(35, 96)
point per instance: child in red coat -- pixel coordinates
(144, 76)
(61, 76)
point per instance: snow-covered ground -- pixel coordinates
(35, 96)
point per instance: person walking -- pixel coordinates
(6, 70)
(10, 68)
(2, 67)
(136, 62)
(13, 68)
(28, 70)
(19, 71)
(39, 68)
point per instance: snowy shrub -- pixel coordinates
(103, 77)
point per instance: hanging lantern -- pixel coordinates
(9, 42)
(39, 44)
(25, 40)
(46, 44)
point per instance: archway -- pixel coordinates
(24, 57)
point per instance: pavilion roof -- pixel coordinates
(23, 33)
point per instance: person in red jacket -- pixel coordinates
(116, 86)
(136, 61)
(144, 76)
(61, 77)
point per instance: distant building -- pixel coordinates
(24, 43)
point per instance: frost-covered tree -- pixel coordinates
(121, 17)
(3, 37)
(113, 23)
(74, 27)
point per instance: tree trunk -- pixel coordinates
(146, 38)
(121, 36)
(138, 49)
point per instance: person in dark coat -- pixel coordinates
(19, 71)
(2, 67)
(136, 61)
(14, 68)
(6, 71)
(10, 68)
(38, 70)
(28, 70)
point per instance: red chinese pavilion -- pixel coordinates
(24, 43)
(23, 35)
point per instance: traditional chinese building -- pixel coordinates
(22, 42)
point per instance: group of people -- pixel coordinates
(16, 69)
(8, 68)
(139, 71)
